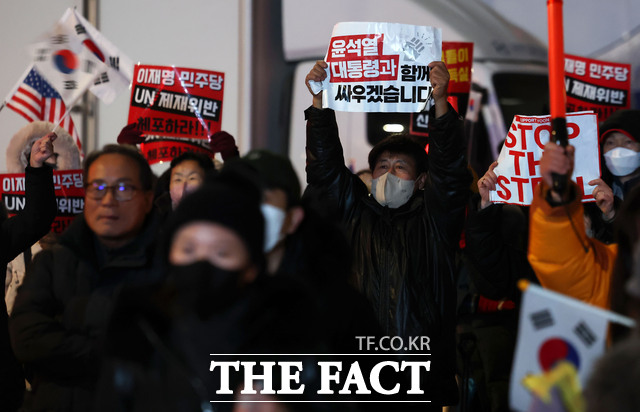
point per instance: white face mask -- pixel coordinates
(390, 190)
(622, 161)
(273, 221)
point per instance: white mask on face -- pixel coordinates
(390, 190)
(273, 221)
(622, 161)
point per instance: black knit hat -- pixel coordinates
(228, 203)
(269, 171)
(403, 144)
(624, 121)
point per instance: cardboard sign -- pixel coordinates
(69, 191)
(379, 67)
(603, 87)
(518, 164)
(176, 101)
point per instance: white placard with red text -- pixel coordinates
(518, 167)
(379, 67)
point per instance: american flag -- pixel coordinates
(35, 99)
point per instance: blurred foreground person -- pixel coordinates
(17, 234)
(217, 299)
(307, 248)
(62, 309)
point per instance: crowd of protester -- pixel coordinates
(123, 312)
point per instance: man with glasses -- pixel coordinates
(63, 306)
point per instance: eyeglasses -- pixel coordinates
(121, 191)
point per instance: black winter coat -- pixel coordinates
(17, 234)
(62, 309)
(404, 258)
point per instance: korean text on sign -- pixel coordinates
(69, 192)
(176, 101)
(603, 87)
(380, 67)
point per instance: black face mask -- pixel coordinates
(203, 287)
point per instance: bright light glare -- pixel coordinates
(393, 128)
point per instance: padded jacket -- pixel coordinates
(564, 259)
(62, 309)
(404, 258)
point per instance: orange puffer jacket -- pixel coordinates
(563, 257)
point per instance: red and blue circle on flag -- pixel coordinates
(556, 349)
(65, 61)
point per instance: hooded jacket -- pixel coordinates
(62, 308)
(404, 258)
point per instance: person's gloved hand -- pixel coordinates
(223, 143)
(130, 135)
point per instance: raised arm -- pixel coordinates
(325, 159)
(34, 221)
(447, 188)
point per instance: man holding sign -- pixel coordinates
(404, 234)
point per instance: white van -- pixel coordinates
(509, 70)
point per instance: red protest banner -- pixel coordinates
(165, 150)
(596, 85)
(458, 57)
(69, 190)
(359, 58)
(176, 101)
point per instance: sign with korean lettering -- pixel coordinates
(176, 101)
(165, 150)
(380, 67)
(518, 163)
(458, 57)
(596, 85)
(69, 191)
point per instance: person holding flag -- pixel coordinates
(17, 234)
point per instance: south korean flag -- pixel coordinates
(554, 328)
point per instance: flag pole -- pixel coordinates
(67, 113)
(557, 91)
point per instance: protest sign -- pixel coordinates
(379, 67)
(69, 192)
(176, 101)
(165, 150)
(596, 85)
(518, 164)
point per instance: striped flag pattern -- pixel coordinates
(35, 99)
